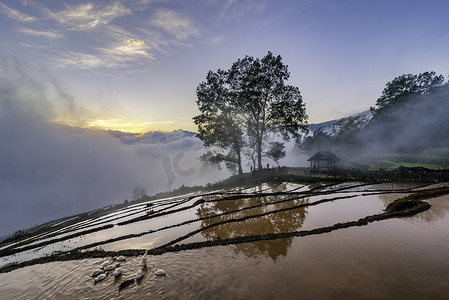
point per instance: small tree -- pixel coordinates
(139, 192)
(276, 152)
(319, 141)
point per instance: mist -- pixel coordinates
(418, 124)
(49, 170)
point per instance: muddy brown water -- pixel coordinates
(404, 258)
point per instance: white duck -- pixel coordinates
(144, 260)
(159, 272)
(117, 272)
(139, 274)
(100, 277)
(120, 258)
(96, 272)
(109, 267)
(105, 264)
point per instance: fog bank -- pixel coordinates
(48, 170)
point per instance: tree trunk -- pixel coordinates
(238, 150)
(239, 161)
(259, 153)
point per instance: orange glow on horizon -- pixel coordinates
(136, 127)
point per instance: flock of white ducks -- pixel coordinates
(107, 266)
(102, 272)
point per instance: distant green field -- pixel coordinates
(411, 165)
(435, 158)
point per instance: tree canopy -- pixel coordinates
(218, 125)
(241, 106)
(402, 87)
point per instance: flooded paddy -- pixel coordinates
(395, 258)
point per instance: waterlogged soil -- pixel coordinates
(265, 242)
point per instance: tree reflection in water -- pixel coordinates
(285, 221)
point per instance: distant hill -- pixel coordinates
(327, 126)
(151, 137)
(154, 137)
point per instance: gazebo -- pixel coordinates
(323, 159)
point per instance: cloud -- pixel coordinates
(51, 171)
(81, 60)
(119, 55)
(175, 24)
(129, 50)
(214, 41)
(145, 39)
(134, 43)
(104, 43)
(235, 10)
(15, 14)
(121, 49)
(23, 93)
(45, 34)
(48, 171)
(87, 16)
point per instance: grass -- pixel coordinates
(432, 158)
(396, 165)
(401, 204)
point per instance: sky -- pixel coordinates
(134, 65)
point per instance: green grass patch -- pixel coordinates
(434, 158)
(395, 165)
(401, 204)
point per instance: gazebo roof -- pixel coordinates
(324, 155)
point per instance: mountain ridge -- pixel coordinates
(151, 137)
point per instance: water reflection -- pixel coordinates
(387, 198)
(264, 222)
(441, 206)
(272, 248)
